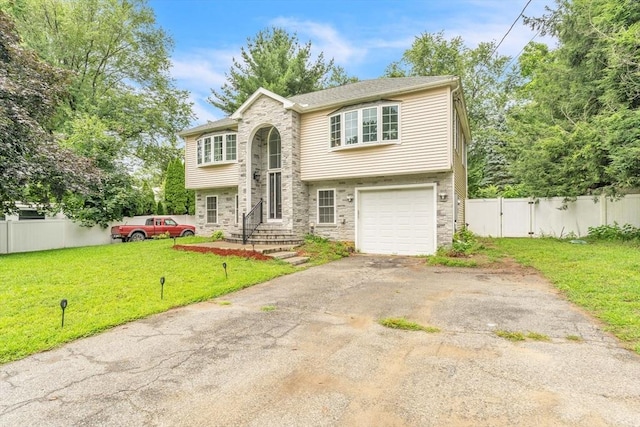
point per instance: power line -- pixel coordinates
(510, 28)
(520, 53)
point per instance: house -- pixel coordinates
(379, 162)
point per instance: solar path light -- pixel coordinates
(63, 305)
(162, 287)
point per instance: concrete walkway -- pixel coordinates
(320, 358)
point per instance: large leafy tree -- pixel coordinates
(123, 109)
(35, 169)
(275, 60)
(576, 128)
(487, 84)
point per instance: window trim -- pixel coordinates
(340, 127)
(200, 149)
(206, 209)
(335, 207)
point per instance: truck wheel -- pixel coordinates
(136, 237)
(187, 233)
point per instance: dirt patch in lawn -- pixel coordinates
(224, 252)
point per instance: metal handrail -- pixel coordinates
(251, 221)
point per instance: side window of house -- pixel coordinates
(365, 126)
(326, 207)
(217, 149)
(212, 209)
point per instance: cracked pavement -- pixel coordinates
(321, 359)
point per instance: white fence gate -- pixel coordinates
(548, 217)
(38, 235)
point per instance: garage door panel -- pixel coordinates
(396, 221)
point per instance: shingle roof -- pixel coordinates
(209, 126)
(354, 92)
(366, 89)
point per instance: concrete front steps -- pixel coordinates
(287, 256)
(267, 235)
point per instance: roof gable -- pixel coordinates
(287, 104)
(367, 90)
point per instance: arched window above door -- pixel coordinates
(275, 149)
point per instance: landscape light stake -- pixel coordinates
(63, 305)
(174, 240)
(162, 287)
(224, 265)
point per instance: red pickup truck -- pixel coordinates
(152, 227)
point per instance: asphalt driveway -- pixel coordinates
(320, 358)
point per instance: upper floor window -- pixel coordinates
(217, 149)
(364, 126)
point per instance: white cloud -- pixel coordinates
(324, 38)
(199, 71)
(202, 70)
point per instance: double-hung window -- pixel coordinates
(363, 126)
(217, 149)
(326, 207)
(212, 209)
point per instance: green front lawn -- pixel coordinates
(602, 277)
(107, 286)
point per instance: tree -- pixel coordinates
(35, 169)
(178, 200)
(575, 128)
(487, 84)
(148, 205)
(276, 61)
(123, 109)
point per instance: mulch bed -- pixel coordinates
(224, 252)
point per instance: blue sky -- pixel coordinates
(363, 36)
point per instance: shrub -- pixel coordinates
(314, 238)
(160, 236)
(614, 232)
(464, 243)
(217, 235)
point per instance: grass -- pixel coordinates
(535, 336)
(107, 286)
(451, 261)
(511, 335)
(575, 338)
(519, 336)
(402, 323)
(268, 308)
(321, 250)
(602, 277)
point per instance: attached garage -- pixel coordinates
(396, 220)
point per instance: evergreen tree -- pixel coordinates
(176, 196)
(276, 61)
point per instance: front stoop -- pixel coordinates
(267, 235)
(290, 257)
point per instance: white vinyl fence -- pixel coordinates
(549, 217)
(38, 235)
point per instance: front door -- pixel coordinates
(275, 175)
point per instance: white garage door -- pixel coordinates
(396, 221)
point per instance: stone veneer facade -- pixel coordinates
(344, 229)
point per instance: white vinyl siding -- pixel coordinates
(326, 206)
(423, 145)
(196, 178)
(212, 209)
